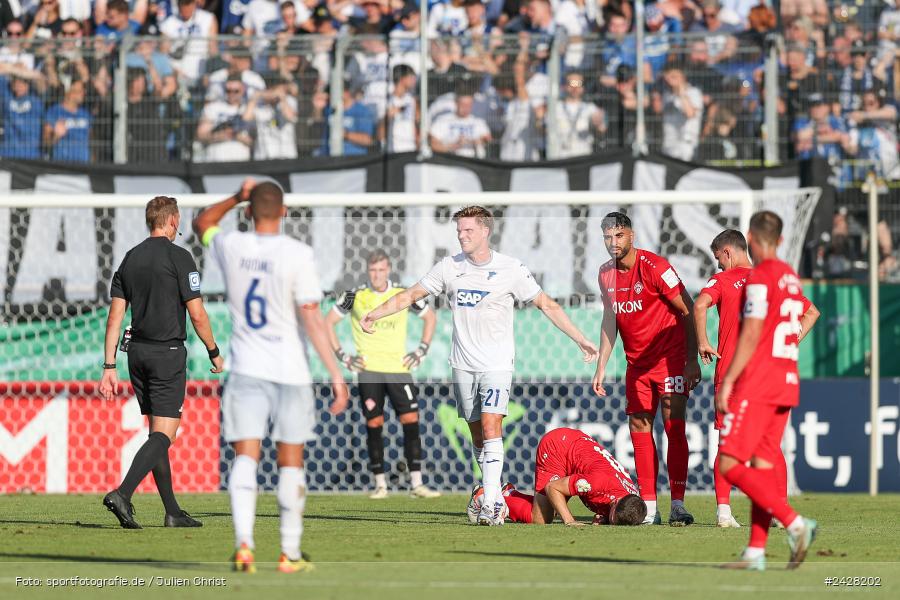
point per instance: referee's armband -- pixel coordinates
(209, 234)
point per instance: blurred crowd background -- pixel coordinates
(157, 81)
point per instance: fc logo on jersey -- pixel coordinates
(638, 287)
(470, 298)
(194, 281)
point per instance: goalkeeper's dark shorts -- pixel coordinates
(399, 387)
(158, 374)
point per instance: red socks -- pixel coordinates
(676, 457)
(779, 466)
(646, 463)
(760, 520)
(519, 506)
(723, 488)
(761, 487)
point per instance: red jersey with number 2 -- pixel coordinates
(652, 330)
(726, 293)
(773, 292)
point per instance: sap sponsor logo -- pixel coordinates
(638, 287)
(582, 486)
(628, 307)
(470, 298)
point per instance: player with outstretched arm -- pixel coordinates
(272, 288)
(758, 391)
(481, 287)
(645, 302)
(725, 291)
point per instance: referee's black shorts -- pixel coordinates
(158, 374)
(399, 387)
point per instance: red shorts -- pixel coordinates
(548, 465)
(753, 428)
(643, 387)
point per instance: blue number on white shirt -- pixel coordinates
(257, 320)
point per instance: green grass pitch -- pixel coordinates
(423, 549)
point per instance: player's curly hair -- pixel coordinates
(480, 213)
(630, 510)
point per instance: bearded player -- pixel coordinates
(725, 291)
(758, 391)
(645, 301)
(568, 463)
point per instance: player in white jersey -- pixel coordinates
(270, 278)
(399, 129)
(481, 287)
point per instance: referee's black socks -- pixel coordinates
(412, 446)
(146, 458)
(162, 475)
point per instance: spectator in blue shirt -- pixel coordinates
(67, 127)
(618, 49)
(662, 33)
(824, 135)
(117, 24)
(161, 82)
(359, 125)
(22, 116)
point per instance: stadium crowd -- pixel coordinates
(196, 92)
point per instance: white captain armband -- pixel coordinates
(756, 305)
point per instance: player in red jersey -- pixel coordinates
(725, 291)
(645, 302)
(568, 463)
(758, 391)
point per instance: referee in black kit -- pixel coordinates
(159, 280)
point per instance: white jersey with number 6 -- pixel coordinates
(266, 278)
(481, 299)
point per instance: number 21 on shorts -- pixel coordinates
(673, 385)
(492, 397)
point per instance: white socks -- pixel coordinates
(751, 553)
(651, 507)
(242, 489)
(723, 510)
(492, 470)
(796, 525)
(380, 481)
(291, 502)
(415, 479)
(478, 451)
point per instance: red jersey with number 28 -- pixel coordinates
(652, 330)
(773, 292)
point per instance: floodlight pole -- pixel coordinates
(871, 186)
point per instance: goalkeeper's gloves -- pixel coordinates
(414, 358)
(352, 363)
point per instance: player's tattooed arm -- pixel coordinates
(210, 216)
(557, 492)
(704, 347)
(608, 332)
(685, 305)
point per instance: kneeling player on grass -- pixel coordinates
(568, 462)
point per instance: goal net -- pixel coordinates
(59, 253)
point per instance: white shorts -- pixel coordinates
(481, 392)
(249, 405)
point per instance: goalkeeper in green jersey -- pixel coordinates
(383, 368)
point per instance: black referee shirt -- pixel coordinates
(157, 278)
